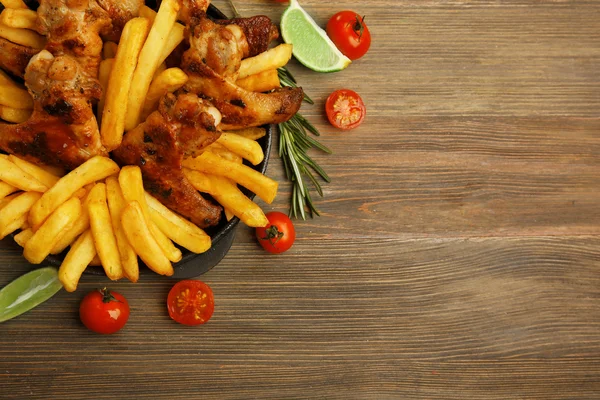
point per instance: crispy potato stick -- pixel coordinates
(46, 237)
(7, 200)
(177, 228)
(37, 172)
(15, 176)
(14, 96)
(113, 114)
(13, 4)
(77, 259)
(81, 225)
(24, 37)
(229, 196)
(162, 67)
(116, 205)
(96, 261)
(222, 151)
(247, 148)
(103, 232)
(15, 225)
(149, 60)
(253, 133)
(228, 214)
(109, 50)
(56, 171)
(142, 241)
(130, 180)
(15, 210)
(271, 59)
(14, 115)
(94, 169)
(167, 81)
(262, 186)
(175, 36)
(104, 71)
(19, 18)
(261, 82)
(23, 237)
(6, 189)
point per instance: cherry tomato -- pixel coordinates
(345, 109)
(279, 234)
(347, 30)
(191, 302)
(103, 311)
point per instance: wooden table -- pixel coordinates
(458, 251)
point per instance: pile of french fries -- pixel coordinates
(99, 214)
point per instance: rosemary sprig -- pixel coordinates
(294, 142)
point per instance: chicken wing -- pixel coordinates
(213, 49)
(14, 58)
(183, 125)
(119, 12)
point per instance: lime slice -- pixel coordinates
(312, 46)
(28, 291)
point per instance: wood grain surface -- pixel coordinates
(458, 251)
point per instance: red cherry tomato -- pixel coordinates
(279, 234)
(191, 302)
(103, 311)
(345, 109)
(347, 30)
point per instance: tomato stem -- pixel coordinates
(107, 296)
(359, 26)
(273, 233)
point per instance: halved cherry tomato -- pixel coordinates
(345, 109)
(347, 30)
(279, 234)
(191, 302)
(103, 311)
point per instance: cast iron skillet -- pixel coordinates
(222, 235)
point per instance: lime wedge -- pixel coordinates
(312, 46)
(28, 291)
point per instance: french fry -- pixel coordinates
(15, 211)
(14, 115)
(262, 186)
(177, 228)
(103, 232)
(24, 37)
(228, 214)
(247, 148)
(113, 114)
(77, 259)
(15, 176)
(56, 171)
(23, 237)
(8, 199)
(46, 237)
(253, 132)
(223, 152)
(130, 180)
(14, 96)
(6, 189)
(229, 196)
(13, 4)
(175, 36)
(162, 67)
(109, 50)
(271, 59)
(143, 242)
(37, 172)
(116, 205)
(149, 60)
(104, 72)
(19, 18)
(261, 82)
(96, 261)
(81, 225)
(166, 82)
(94, 169)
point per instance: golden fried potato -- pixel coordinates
(261, 82)
(141, 239)
(14, 115)
(167, 81)
(19, 18)
(24, 37)
(104, 71)
(271, 59)
(15, 176)
(34, 170)
(113, 115)
(14, 4)
(76, 261)
(175, 36)
(15, 96)
(6, 189)
(264, 187)
(252, 133)
(246, 148)
(46, 237)
(16, 210)
(109, 50)
(23, 237)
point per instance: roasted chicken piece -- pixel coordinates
(259, 31)
(182, 126)
(14, 57)
(119, 12)
(62, 130)
(207, 63)
(192, 9)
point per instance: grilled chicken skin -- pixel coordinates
(182, 126)
(213, 49)
(14, 57)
